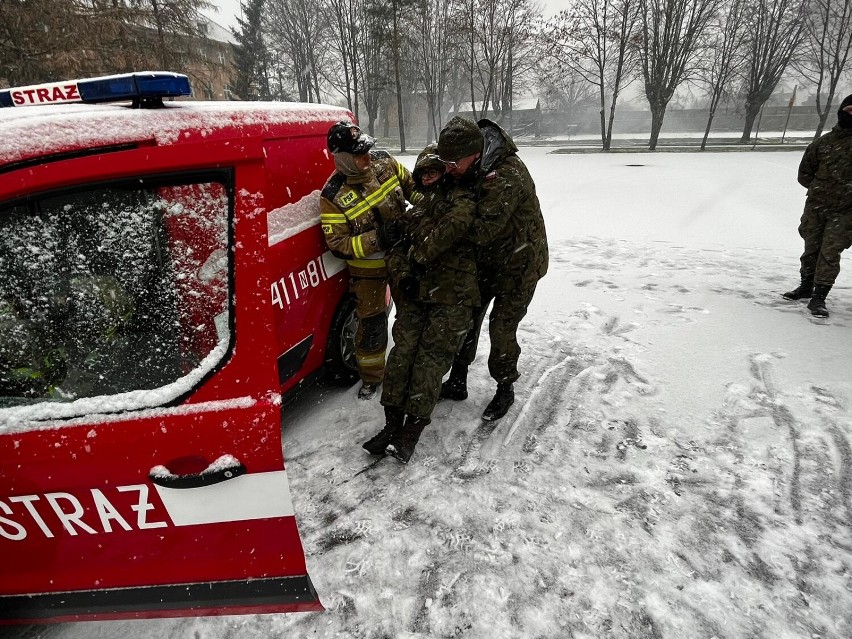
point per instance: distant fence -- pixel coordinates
(585, 121)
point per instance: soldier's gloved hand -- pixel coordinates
(388, 232)
(417, 269)
(409, 286)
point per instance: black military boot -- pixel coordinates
(455, 387)
(817, 304)
(803, 291)
(402, 444)
(497, 407)
(394, 419)
(368, 390)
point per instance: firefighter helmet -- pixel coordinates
(345, 137)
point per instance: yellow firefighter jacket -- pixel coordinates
(349, 206)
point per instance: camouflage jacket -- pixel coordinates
(434, 250)
(826, 170)
(509, 226)
(349, 206)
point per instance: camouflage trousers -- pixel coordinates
(371, 336)
(826, 234)
(512, 294)
(426, 339)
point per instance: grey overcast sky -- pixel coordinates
(229, 9)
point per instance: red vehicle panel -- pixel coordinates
(163, 283)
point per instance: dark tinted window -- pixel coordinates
(111, 290)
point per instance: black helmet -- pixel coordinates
(347, 138)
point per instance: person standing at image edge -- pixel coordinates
(359, 208)
(512, 253)
(826, 224)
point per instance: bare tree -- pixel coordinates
(562, 88)
(76, 38)
(724, 55)
(498, 34)
(372, 51)
(594, 38)
(827, 44)
(297, 28)
(435, 48)
(776, 29)
(178, 25)
(346, 20)
(671, 32)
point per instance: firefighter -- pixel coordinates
(512, 255)
(433, 280)
(826, 224)
(360, 207)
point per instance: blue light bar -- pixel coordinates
(141, 88)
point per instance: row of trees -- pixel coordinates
(383, 55)
(380, 54)
(52, 40)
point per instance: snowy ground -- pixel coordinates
(678, 463)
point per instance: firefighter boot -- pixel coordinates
(497, 407)
(803, 291)
(402, 444)
(817, 304)
(455, 387)
(394, 419)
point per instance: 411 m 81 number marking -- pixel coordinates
(291, 285)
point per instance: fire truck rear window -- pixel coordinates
(110, 290)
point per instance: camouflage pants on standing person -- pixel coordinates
(426, 339)
(512, 294)
(827, 233)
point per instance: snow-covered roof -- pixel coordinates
(37, 130)
(518, 104)
(216, 31)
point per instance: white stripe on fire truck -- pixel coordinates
(252, 496)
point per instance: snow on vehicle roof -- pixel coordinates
(32, 131)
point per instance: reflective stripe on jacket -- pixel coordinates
(349, 206)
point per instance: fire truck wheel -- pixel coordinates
(340, 350)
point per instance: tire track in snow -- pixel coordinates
(783, 418)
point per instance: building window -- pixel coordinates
(222, 58)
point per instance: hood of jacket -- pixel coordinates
(497, 147)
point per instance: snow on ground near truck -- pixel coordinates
(677, 463)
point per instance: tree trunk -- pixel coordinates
(750, 116)
(603, 116)
(823, 115)
(821, 125)
(608, 140)
(400, 117)
(658, 112)
(714, 103)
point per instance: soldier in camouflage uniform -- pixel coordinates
(358, 208)
(434, 283)
(826, 225)
(512, 256)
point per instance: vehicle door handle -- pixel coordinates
(225, 468)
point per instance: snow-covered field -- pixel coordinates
(678, 463)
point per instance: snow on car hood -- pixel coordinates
(38, 130)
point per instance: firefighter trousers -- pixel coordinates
(371, 336)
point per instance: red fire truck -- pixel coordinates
(164, 283)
